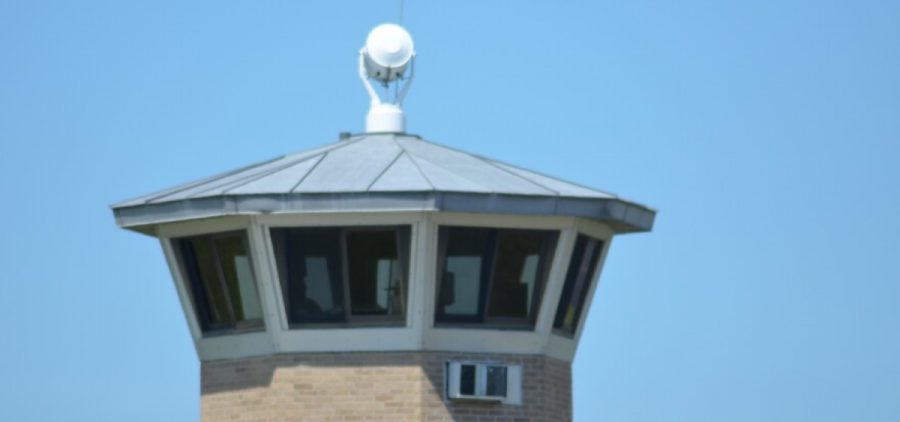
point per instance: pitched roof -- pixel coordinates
(381, 172)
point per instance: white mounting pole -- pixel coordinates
(385, 116)
(409, 80)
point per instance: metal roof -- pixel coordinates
(381, 172)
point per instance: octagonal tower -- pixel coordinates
(384, 277)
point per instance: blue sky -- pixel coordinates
(766, 134)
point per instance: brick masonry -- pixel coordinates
(372, 387)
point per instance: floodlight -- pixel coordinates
(386, 57)
(388, 50)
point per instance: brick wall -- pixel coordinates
(372, 387)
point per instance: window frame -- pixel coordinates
(482, 319)
(199, 302)
(404, 250)
(592, 274)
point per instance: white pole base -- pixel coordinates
(385, 118)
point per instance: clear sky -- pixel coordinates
(766, 134)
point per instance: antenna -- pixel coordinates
(387, 55)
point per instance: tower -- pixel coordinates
(383, 276)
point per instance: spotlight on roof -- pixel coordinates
(388, 51)
(386, 57)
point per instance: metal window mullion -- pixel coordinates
(189, 260)
(441, 265)
(288, 258)
(487, 284)
(246, 242)
(545, 261)
(591, 262)
(404, 267)
(222, 283)
(583, 261)
(584, 270)
(345, 274)
(586, 258)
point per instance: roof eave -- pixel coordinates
(622, 216)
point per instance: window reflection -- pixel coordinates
(219, 275)
(492, 275)
(516, 274)
(579, 276)
(466, 249)
(309, 260)
(375, 273)
(324, 269)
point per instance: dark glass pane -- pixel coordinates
(464, 267)
(517, 279)
(511, 263)
(205, 282)
(467, 380)
(585, 257)
(375, 273)
(319, 266)
(496, 381)
(220, 276)
(312, 259)
(238, 278)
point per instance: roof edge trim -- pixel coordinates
(621, 215)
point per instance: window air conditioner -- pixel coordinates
(484, 382)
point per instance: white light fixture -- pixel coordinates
(386, 57)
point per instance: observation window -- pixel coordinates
(493, 276)
(333, 275)
(219, 274)
(579, 276)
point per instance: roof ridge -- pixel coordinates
(308, 172)
(327, 147)
(385, 169)
(181, 188)
(482, 157)
(211, 179)
(412, 159)
(315, 152)
(457, 174)
(493, 164)
(250, 179)
(549, 176)
(293, 159)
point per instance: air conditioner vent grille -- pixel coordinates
(484, 381)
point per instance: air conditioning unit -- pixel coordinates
(484, 381)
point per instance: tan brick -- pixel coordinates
(371, 386)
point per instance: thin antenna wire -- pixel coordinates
(400, 22)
